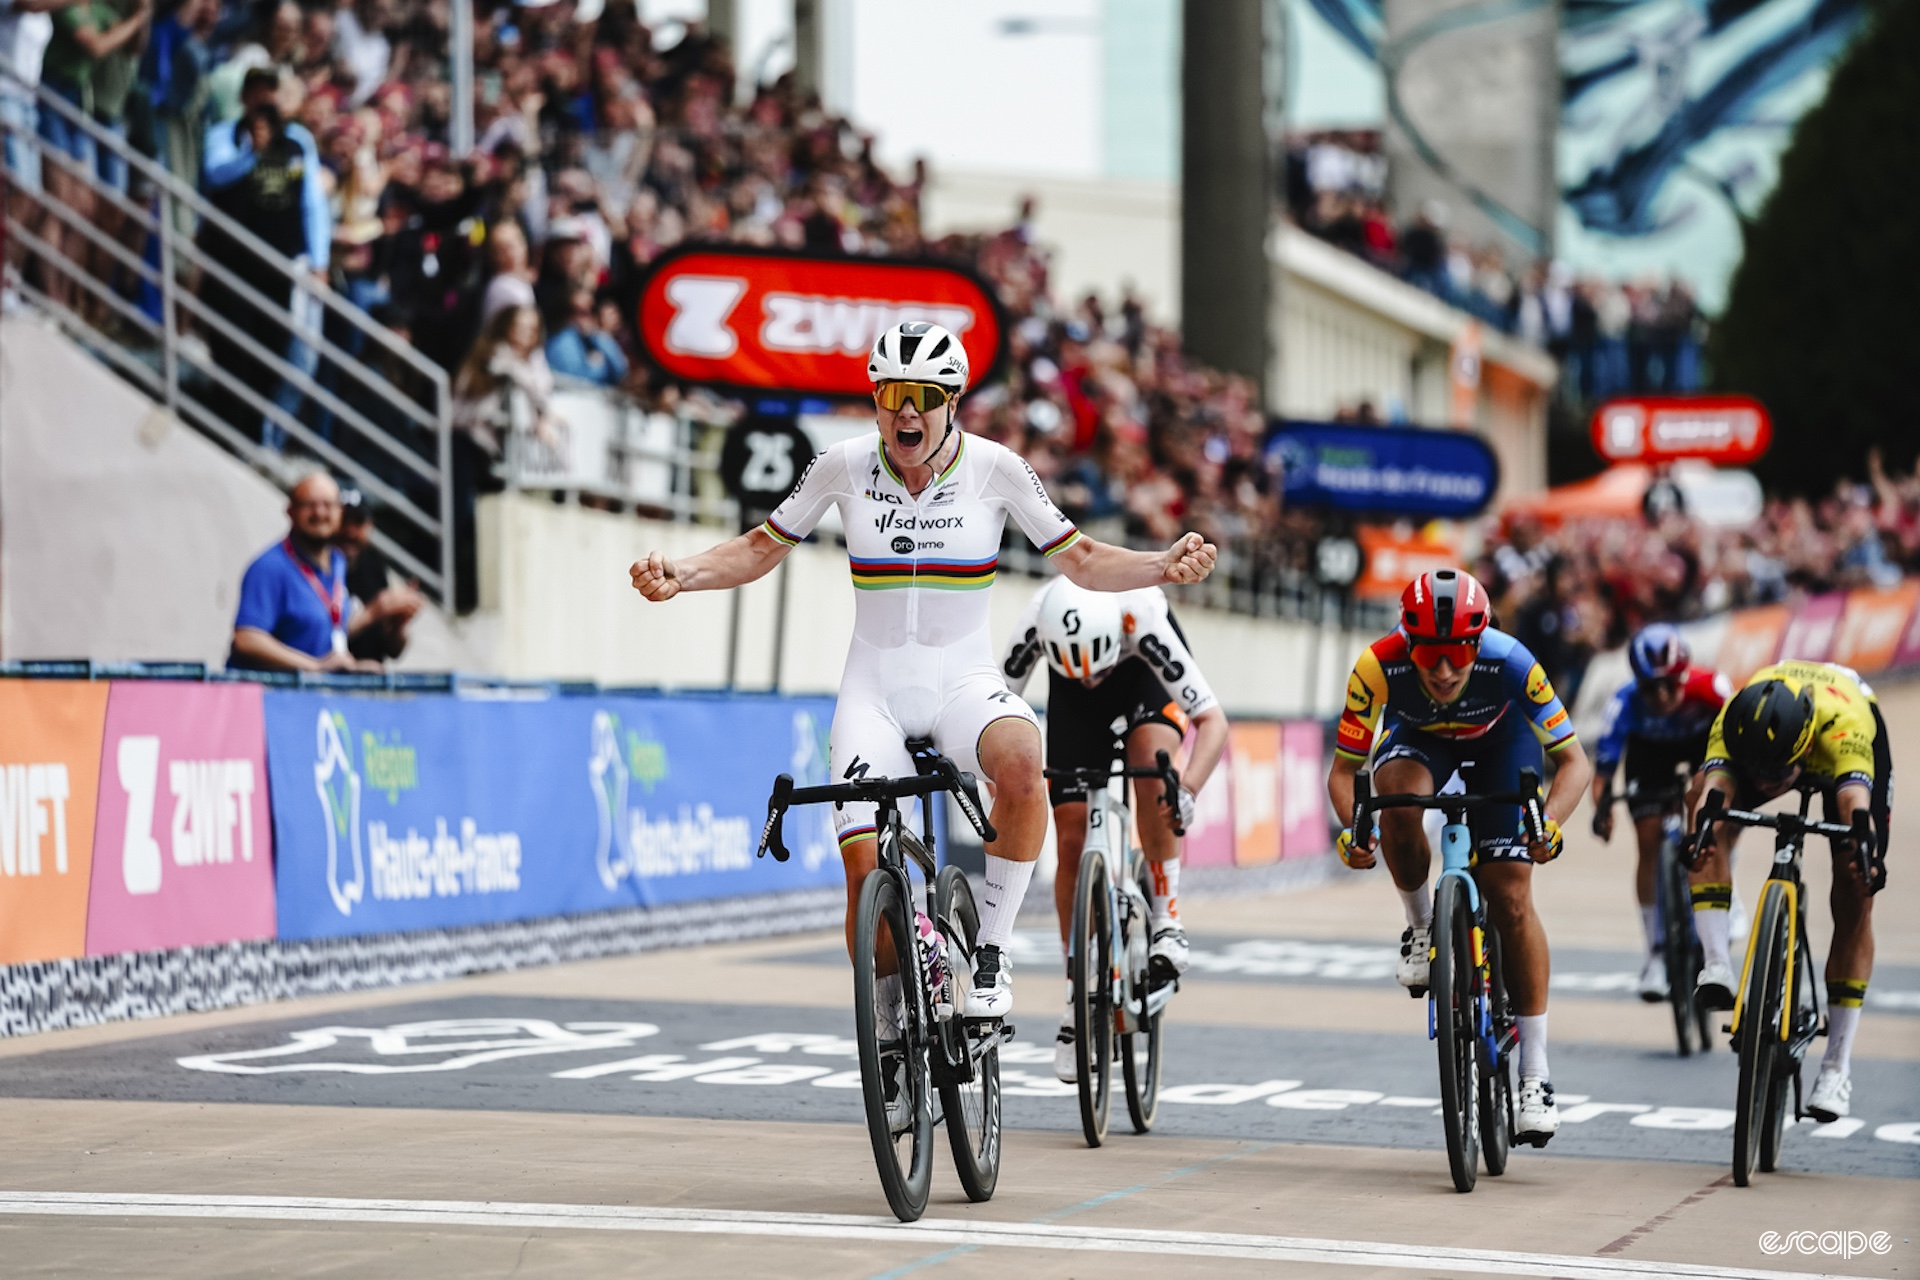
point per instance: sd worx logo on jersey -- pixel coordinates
(366, 853)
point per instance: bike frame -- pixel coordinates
(1109, 822)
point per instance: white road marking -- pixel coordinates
(833, 1226)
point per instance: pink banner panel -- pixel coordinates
(1809, 636)
(1303, 791)
(183, 846)
(1209, 841)
(1908, 652)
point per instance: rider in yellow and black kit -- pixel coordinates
(1797, 724)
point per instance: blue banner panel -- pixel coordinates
(397, 813)
(1402, 471)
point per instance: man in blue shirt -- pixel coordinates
(295, 613)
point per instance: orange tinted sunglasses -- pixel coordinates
(924, 396)
(1459, 654)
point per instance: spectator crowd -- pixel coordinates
(324, 129)
(1612, 338)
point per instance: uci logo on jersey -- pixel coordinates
(1537, 686)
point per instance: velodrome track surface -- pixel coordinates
(354, 1135)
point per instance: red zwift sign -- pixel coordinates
(771, 321)
(1728, 430)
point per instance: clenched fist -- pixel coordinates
(1189, 560)
(656, 578)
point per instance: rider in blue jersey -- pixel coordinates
(1658, 723)
(1456, 694)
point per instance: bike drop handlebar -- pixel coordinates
(1366, 804)
(1791, 826)
(946, 776)
(1162, 768)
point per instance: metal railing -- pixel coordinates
(389, 432)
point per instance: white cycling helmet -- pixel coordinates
(919, 351)
(1079, 630)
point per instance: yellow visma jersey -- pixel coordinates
(1840, 748)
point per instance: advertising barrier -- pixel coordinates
(1303, 791)
(1874, 630)
(49, 771)
(399, 814)
(1255, 761)
(183, 844)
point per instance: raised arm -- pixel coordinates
(1100, 566)
(733, 563)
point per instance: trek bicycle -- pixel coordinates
(930, 1045)
(1680, 948)
(1118, 994)
(1469, 1013)
(1776, 1011)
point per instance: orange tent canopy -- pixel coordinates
(1615, 492)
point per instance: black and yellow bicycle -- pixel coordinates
(1776, 1012)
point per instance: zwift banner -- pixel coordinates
(400, 814)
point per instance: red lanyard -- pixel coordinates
(336, 603)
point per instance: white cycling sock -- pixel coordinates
(1007, 882)
(1418, 904)
(1841, 1024)
(1533, 1045)
(1712, 925)
(1163, 890)
(1650, 923)
(1844, 998)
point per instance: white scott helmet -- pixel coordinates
(1079, 630)
(919, 351)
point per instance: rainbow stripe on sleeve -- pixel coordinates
(780, 535)
(1061, 543)
(936, 575)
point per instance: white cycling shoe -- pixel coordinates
(1170, 954)
(1714, 990)
(1415, 946)
(992, 994)
(1065, 1068)
(1535, 1118)
(1653, 979)
(1832, 1096)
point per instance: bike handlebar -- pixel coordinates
(1366, 804)
(1162, 768)
(946, 776)
(1793, 826)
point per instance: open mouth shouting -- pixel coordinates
(910, 438)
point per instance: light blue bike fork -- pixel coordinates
(1456, 860)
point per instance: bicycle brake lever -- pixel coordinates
(770, 835)
(1172, 797)
(967, 793)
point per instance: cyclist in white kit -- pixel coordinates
(924, 505)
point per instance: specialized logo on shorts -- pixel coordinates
(1537, 686)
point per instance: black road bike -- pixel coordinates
(1119, 998)
(1776, 1011)
(928, 1046)
(1679, 945)
(1469, 1013)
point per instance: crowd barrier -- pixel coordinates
(1874, 630)
(194, 838)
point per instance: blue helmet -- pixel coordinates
(1658, 651)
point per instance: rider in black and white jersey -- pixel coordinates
(923, 505)
(1118, 666)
